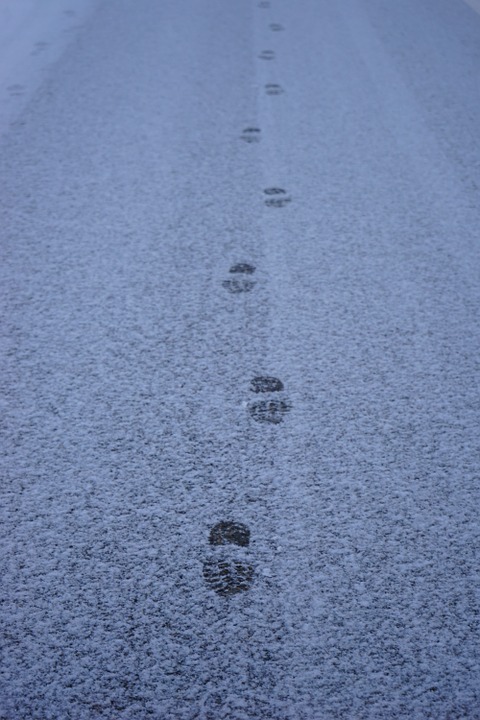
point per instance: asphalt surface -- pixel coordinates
(240, 366)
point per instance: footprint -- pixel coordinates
(264, 4)
(274, 191)
(251, 135)
(266, 383)
(276, 27)
(238, 285)
(39, 47)
(269, 411)
(267, 55)
(227, 531)
(227, 577)
(16, 89)
(70, 13)
(277, 202)
(223, 574)
(280, 200)
(242, 268)
(273, 89)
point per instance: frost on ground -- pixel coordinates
(239, 465)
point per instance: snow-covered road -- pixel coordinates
(240, 377)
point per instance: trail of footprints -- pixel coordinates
(17, 90)
(229, 569)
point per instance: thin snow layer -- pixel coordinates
(33, 35)
(133, 417)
